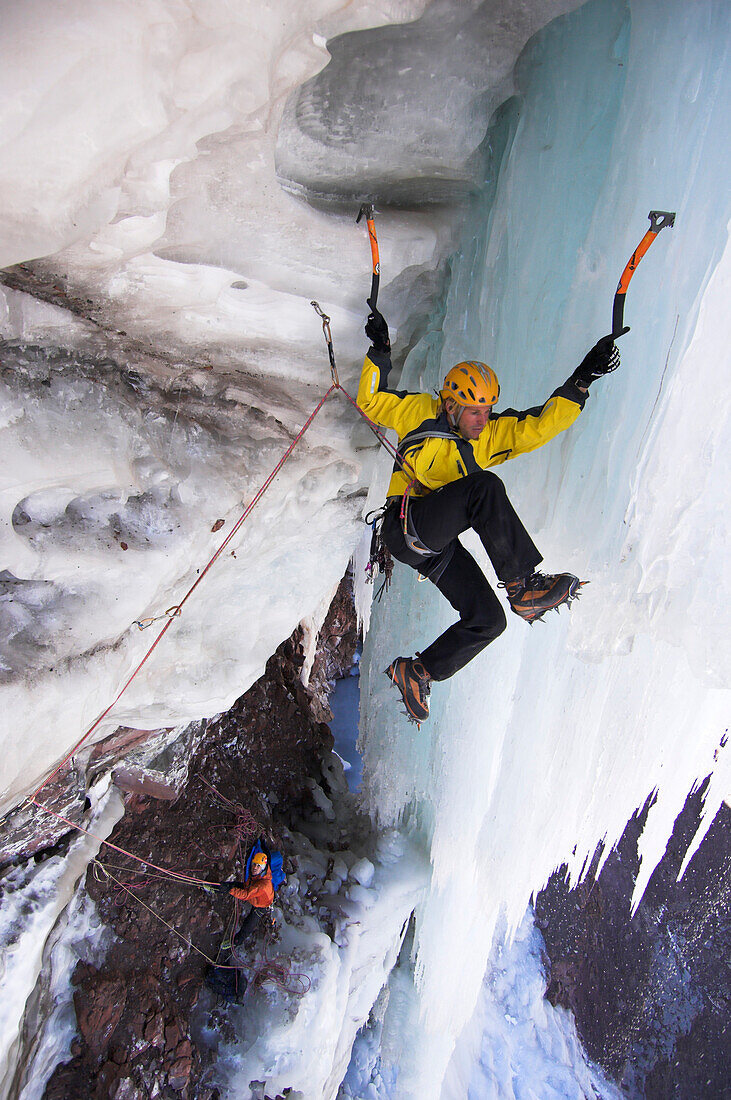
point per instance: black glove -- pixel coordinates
(376, 330)
(225, 887)
(602, 359)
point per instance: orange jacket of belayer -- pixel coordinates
(259, 892)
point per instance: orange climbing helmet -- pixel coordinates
(258, 863)
(472, 383)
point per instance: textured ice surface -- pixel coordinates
(517, 1044)
(137, 169)
(138, 192)
(106, 512)
(413, 98)
(548, 741)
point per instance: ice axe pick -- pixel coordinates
(659, 219)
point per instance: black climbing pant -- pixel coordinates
(478, 501)
(251, 923)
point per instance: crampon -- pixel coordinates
(532, 597)
(414, 683)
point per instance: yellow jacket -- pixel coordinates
(435, 461)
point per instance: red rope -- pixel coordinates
(385, 443)
(271, 970)
(274, 970)
(247, 511)
(177, 875)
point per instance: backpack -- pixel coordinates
(275, 859)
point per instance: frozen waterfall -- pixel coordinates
(177, 183)
(547, 742)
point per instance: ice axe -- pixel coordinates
(659, 219)
(367, 211)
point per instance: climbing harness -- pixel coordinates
(380, 559)
(659, 219)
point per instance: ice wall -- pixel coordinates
(33, 920)
(546, 743)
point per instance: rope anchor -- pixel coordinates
(171, 613)
(328, 340)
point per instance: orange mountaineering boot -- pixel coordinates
(414, 683)
(533, 596)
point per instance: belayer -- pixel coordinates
(441, 486)
(264, 875)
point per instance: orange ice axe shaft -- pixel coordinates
(659, 219)
(367, 211)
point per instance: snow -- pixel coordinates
(155, 157)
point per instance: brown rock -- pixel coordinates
(154, 1032)
(173, 1035)
(99, 1008)
(107, 1081)
(180, 1071)
(148, 981)
(126, 1089)
(138, 783)
(120, 742)
(29, 828)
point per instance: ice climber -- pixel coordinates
(445, 487)
(264, 875)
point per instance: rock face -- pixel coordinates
(252, 769)
(28, 829)
(650, 993)
(336, 642)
